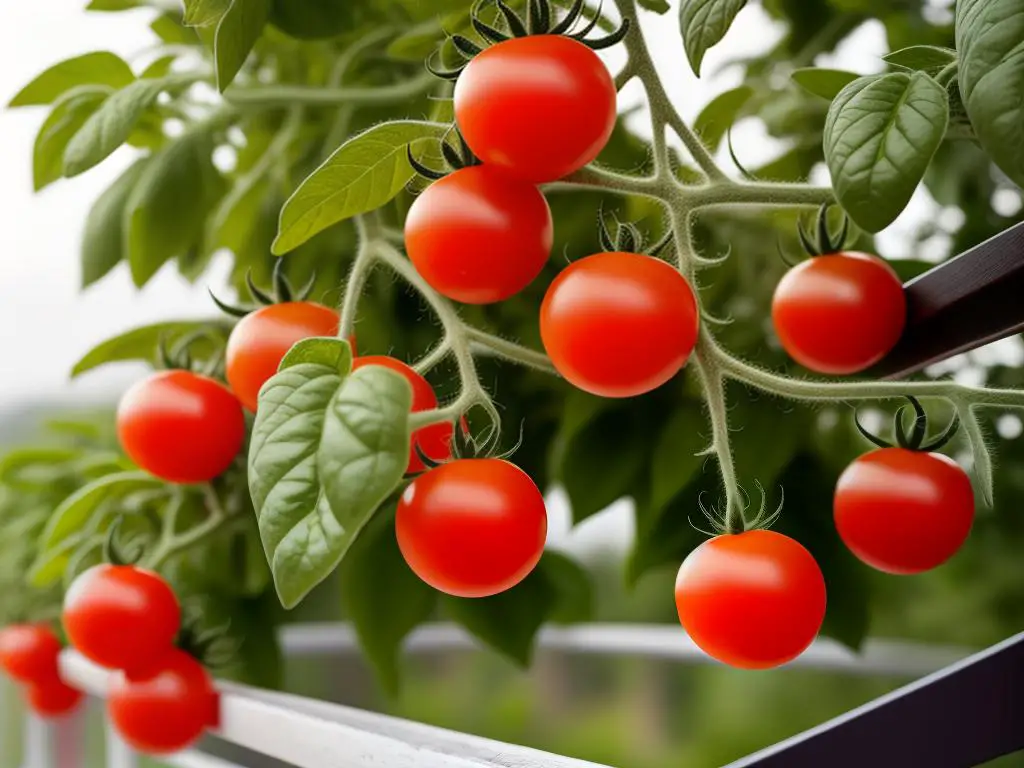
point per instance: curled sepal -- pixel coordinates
(825, 242)
(455, 152)
(466, 445)
(214, 648)
(916, 438)
(627, 237)
(282, 292)
(719, 518)
(116, 551)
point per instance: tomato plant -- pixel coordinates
(121, 617)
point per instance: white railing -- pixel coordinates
(313, 734)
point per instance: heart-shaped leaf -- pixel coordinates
(704, 23)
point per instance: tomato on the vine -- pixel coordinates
(121, 616)
(435, 440)
(53, 697)
(840, 313)
(262, 338)
(165, 708)
(472, 527)
(28, 652)
(537, 107)
(752, 600)
(619, 324)
(478, 236)
(180, 426)
(904, 511)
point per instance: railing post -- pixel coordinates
(68, 735)
(38, 743)
(119, 754)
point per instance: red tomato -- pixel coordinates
(904, 511)
(473, 527)
(28, 652)
(180, 426)
(262, 338)
(537, 107)
(839, 314)
(619, 324)
(479, 237)
(165, 709)
(53, 698)
(752, 600)
(120, 616)
(435, 440)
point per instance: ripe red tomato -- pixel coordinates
(180, 426)
(479, 237)
(262, 338)
(165, 709)
(472, 527)
(28, 652)
(120, 616)
(537, 107)
(619, 324)
(752, 600)
(904, 511)
(839, 314)
(435, 440)
(53, 698)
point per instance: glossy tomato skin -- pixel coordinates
(435, 441)
(28, 652)
(479, 237)
(166, 708)
(839, 314)
(619, 324)
(903, 511)
(180, 426)
(262, 338)
(472, 527)
(120, 616)
(753, 600)
(537, 107)
(53, 698)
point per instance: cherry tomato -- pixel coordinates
(28, 652)
(435, 440)
(479, 237)
(120, 616)
(262, 338)
(165, 709)
(536, 107)
(472, 527)
(619, 324)
(839, 314)
(752, 600)
(53, 698)
(180, 426)
(904, 511)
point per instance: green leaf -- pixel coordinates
(923, 58)
(658, 6)
(32, 468)
(572, 587)
(141, 343)
(990, 39)
(110, 126)
(374, 574)
(168, 28)
(112, 5)
(103, 243)
(826, 83)
(880, 136)
(363, 174)
(704, 23)
(717, 117)
(237, 32)
(326, 450)
(159, 68)
(100, 68)
(200, 13)
(75, 513)
(166, 212)
(332, 352)
(69, 114)
(676, 458)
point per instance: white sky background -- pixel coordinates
(46, 324)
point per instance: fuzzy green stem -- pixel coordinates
(486, 343)
(172, 543)
(730, 193)
(357, 277)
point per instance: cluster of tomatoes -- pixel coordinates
(29, 655)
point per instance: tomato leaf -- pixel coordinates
(922, 58)
(990, 39)
(374, 574)
(572, 586)
(676, 458)
(880, 136)
(717, 117)
(826, 83)
(69, 114)
(141, 344)
(169, 29)
(103, 243)
(237, 32)
(200, 13)
(112, 5)
(100, 69)
(363, 174)
(658, 6)
(704, 23)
